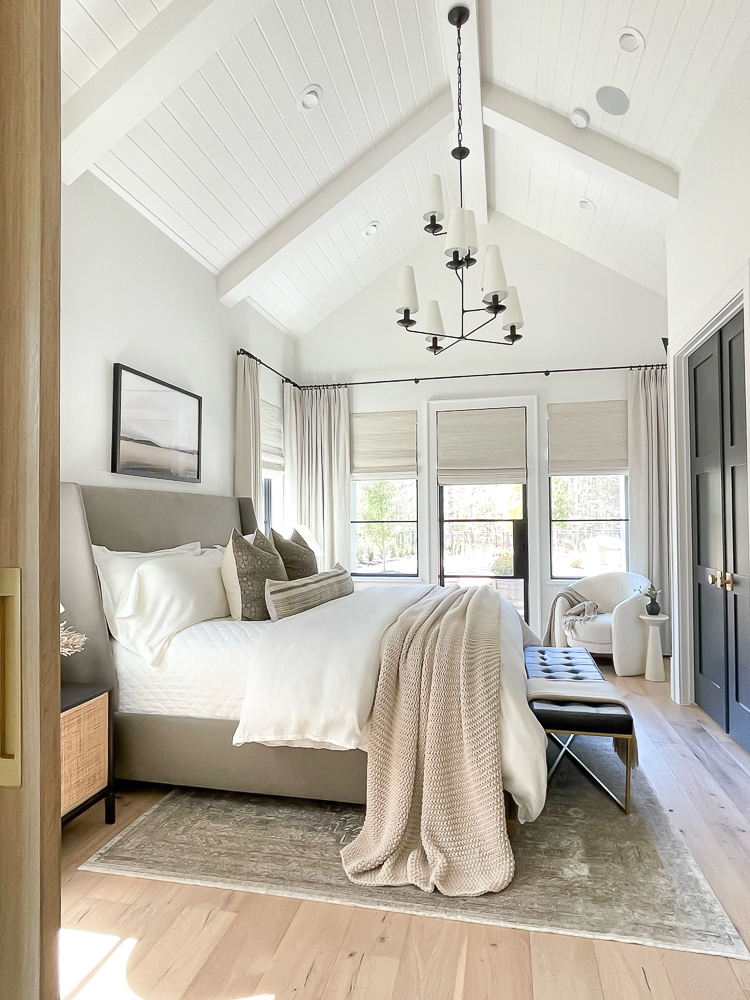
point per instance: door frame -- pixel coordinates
(733, 298)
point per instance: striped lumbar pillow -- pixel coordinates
(289, 598)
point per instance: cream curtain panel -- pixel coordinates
(588, 437)
(316, 451)
(384, 445)
(248, 465)
(271, 436)
(648, 450)
(481, 446)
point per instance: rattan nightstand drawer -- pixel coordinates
(84, 751)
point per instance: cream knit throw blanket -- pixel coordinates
(435, 810)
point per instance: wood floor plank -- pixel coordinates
(498, 964)
(244, 953)
(302, 964)
(632, 972)
(564, 968)
(368, 961)
(432, 960)
(169, 969)
(742, 972)
(701, 977)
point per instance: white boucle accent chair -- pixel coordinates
(617, 630)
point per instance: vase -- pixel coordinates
(653, 607)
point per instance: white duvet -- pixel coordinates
(313, 679)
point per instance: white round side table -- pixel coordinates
(654, 656)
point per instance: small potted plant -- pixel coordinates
(653, 607)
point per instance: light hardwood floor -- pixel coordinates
(177, 942)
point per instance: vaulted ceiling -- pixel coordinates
(190, 110)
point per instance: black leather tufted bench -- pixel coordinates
(578, 718)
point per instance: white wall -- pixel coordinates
(130, 294)
(708, 237)
(578, 314)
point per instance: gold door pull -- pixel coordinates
(10, 677)
(714, 578)
(728, 581)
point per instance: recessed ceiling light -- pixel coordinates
(587, 205)
(631, 40)
(371, 228)
(579, 117)
(310, 97)
(612, 100)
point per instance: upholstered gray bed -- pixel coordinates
(177, 750)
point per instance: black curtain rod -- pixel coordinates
(440, 378)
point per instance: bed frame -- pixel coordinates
(174, 750)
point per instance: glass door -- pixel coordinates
(484, 539)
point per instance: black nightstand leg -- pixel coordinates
(109, 808)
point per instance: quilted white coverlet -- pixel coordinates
(202, 674)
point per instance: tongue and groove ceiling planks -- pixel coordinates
(189, 110)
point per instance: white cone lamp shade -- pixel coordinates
(471, 231)
(458, 233)
(434, 204)
(512, 315)
(406, 292)
(432, 322)
(494, 281)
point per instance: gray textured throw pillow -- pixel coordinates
(255, 561)
(299, 559)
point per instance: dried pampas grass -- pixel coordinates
(70, 641)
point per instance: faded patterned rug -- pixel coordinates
(583, 867)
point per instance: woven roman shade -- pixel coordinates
(588, 437)
(384, 445)
(271, 437)
(481, 446)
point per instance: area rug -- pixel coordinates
(582, 868)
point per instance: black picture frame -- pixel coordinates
(139, 452)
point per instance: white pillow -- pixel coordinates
(168, 595)
(116, 571)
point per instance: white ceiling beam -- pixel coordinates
(474, 168)
(590, 151)
(334, 200)
(171, 47)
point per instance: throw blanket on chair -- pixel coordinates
(435, 810)
(579, 610)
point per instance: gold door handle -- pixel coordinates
(715, 579)
(10, 678)
(728, 582)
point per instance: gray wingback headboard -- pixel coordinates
(127, 520)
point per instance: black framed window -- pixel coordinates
(588, 525)
(484, 538)
(384, 527)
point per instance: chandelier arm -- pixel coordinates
(476, 328)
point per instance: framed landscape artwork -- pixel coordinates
(156, 428)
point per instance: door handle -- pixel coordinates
(715, 578)
(10, 678)
(728, 581)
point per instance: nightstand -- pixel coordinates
(86, 758)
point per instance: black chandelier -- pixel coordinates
(461, 246)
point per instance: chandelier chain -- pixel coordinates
(460, 117)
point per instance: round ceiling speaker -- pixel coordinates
(613, 100)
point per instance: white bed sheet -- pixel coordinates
(202, 675)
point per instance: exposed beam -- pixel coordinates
(474, 169)
(593, 152)
(335, 199)
(171, 47)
